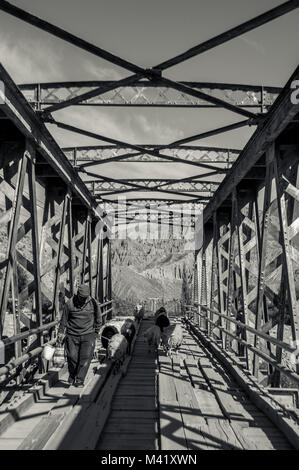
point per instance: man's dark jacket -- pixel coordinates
(80, 320)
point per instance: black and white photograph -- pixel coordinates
(149, 230)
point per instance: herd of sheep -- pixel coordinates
(170, 336)
(162, 332)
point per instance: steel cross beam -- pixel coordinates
(160, 206)
(167, 214)
(220, 130)
(138, 187)
(152, 219)
(155, 153)
(148, 181)
(163, 159)
(98, 154)
(107, 184)
(156, 201)
(145, 93)
(169, 146)
(164, 81)
(230, 34)
(155, 72)
(207, 155)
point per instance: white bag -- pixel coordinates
(48, 352)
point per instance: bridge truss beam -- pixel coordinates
(192, 186)
(98, 154)
(155, 72)
(149, 94)
(48, 234)
(246, 268)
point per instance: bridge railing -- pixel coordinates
(9, 370)
(106, 310)
(207, 323)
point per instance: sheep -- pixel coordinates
(172, 338)
(116, 350)
(153, 337)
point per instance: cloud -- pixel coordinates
(157, 131)
(28, 61)
(126, 125)
(101, 72)
(252, 43)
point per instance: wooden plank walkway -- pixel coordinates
(184, 402)
(34, 425)
(133, 421)
(202, 408)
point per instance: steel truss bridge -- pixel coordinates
(234, 382)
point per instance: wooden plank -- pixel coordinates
(244, 439)
(230, 435)
(92, 419)
(134, 403)
(183, 371)
(282, 419)
(70, 427)
(230, 407)
(142, 426)
(172, 433)
(9, 443)
(216, 437)
(131, 442)
(208, 404)
(96, 383)
(259, 435)
(40, 435)
(167, 391)
(196, 376)
(14, 411)
(193, 421)
(134, 391)
(134, 415)
(195, 426)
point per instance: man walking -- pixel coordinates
(81, 321)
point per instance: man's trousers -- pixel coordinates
(79, 352)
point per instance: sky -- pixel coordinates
(147, 33)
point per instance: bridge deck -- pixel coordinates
(133, 422)
(188, 402)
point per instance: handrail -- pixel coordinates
(264, 336)
(43, 328)
(25, 334)
(4, 370)
(106, 311)
(106, 303)
(280, 367)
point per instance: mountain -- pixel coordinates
(143, 269)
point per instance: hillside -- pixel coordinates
(144, 269)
